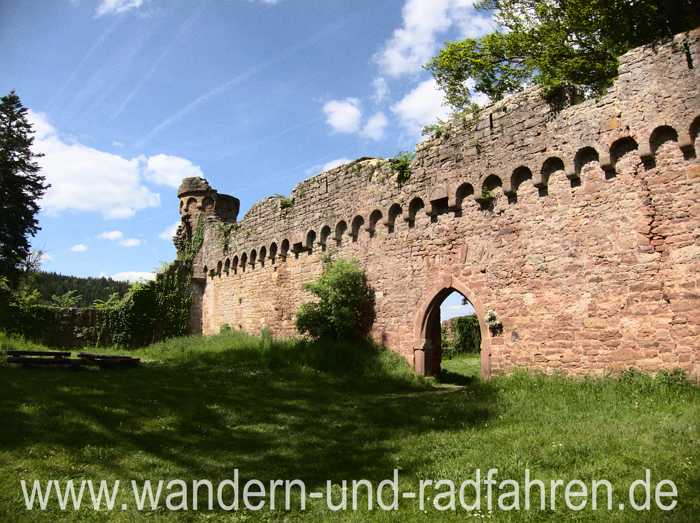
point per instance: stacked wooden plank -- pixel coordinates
(36, 358)
(32, 358)
(108, 362)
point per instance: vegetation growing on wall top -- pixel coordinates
(225, 230)
(401, 165)
(570, 49)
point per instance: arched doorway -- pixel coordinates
(428, 347)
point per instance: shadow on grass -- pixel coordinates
(454, 378)
(287, 411)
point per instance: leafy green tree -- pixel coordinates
(66, 300)
(113, 301)
(21, 185)
(26, 297)
(345, 306)
(568, 47)
(5, 298)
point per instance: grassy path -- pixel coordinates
(203, 407)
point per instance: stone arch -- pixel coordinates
(208, 205)
(340, 230)
(694, 129)
(519, 175)
(262, 255)
(234, 264)
(191, 204)
(414, 208)
(219, 266)
(243, 261)
(394, 212)
(310, 239)
(463, 192)
(325, 234)
(620, 148)
(273, 252)
(227, 266)
(427, 312)
(357, 223)
(253, 258)
(491, 182)
(549, 167)
(204, 270)
(691, 148)
(374, 218)
(661, 135)
(583, 157)
(284, 249)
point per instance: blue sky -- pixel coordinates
(129, 96)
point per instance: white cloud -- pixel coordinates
(375, 126)
(111, 235)
(87, 179)
(322, 167)
(131, 242)
(473, 25)
(422, 106)
(479, 99)
(79, 247)
(169, 233)
(134, 276)
(113, 7)
(45, 257)
(344, 116)
(41, 126)
(416, 41)
(381, 90)
(169, 170)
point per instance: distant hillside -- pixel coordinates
(90, 289)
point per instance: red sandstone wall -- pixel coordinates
(592, 264)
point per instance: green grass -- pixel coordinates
(200, 407)
(466, 365)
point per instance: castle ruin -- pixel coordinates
(577, 232)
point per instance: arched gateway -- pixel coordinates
(578, 230)
(427, 329)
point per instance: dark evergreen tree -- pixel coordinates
(21, 185)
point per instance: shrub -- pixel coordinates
(463, 337)
(345, 306)
(67, 299)
(438, 129)
(149, 312)
(5, 296)
(401, 165)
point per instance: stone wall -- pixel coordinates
(589, 254)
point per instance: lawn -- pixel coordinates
(465, 365)
(200, 407)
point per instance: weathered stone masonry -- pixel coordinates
(589, 255)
